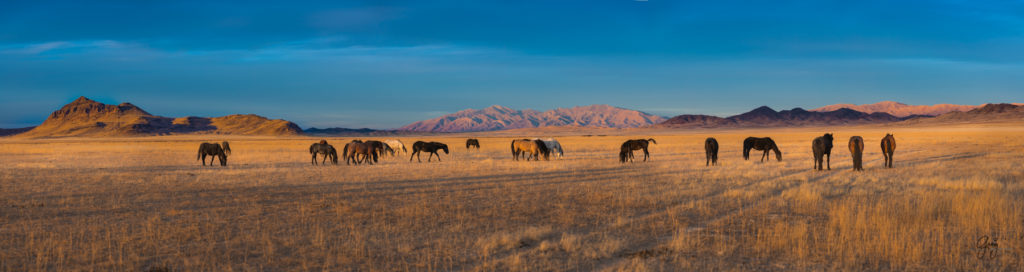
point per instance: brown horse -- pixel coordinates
(431, 147)
(765, 144)
(213, 150)
(535, 148)
(822, 147)
(359, 152)
(627, 148)
(711, 151)
(857, 152)
(888, 147)
(473, 143)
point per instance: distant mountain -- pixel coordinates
(13, 131)
(352, 132)
(85, 117)
(901, 110)
(500, 118)
(985, 113)
(767, 117)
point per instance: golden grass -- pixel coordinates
(145, 203)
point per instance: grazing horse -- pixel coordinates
(765, 144)
(379, 148)
(553, 146)
(857, 152)
(711, 151)
(220, 151)
(888, 147)
(396, 145)
(323, 148)
(822, 147)
(348, 150)
(535, 148)
(354, 150)
(626, 151)
(431, 147)
(473, 143)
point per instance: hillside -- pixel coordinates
(986, 113)
(501, 118)
(85, 117)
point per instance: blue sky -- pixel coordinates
(384, 64)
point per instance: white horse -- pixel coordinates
(553, 146)
(396, 145)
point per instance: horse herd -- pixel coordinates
(358, 151)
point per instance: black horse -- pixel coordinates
(857, 152)
(711, 151)
(626, 151)
(888, 148)
(379, 148)
(822, 148)
(431, 147)
(220, 151)
(765, 144)
(323, 148)
(472, 143)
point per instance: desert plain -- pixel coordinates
(954, 201)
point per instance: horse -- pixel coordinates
(553, 146)
(396, 145)
(626, 151)
(214, 150)
(534, 147)
(323, 148)
(354, 149)
(857, 152)
(765, 144)
(379, 148)
(711, 151)
(888, 147)
(348, 150)
(431, 147)
(822, 146)
(473, 143)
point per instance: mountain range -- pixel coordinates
(767, 117)
(501, 118)
(903, 110)
(85, 117)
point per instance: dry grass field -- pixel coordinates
(131, 204)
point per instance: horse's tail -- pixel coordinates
(311, 148)
(513, 145)
(652, 140)
(227, 148)
(200, 153)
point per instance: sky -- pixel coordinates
(385, 64)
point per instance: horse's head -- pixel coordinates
(323, 141)
(226, 147)
(828, 140)
(778, 154)
(223, 159)
(389, 149)
(445, 148)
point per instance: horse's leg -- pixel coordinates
(324, 161)
(828, 160)
(763, 154)
(204, 159)
(438, 156)
(891, 159)
(413, 154)
(646, 154)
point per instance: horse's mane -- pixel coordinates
(227, 148)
